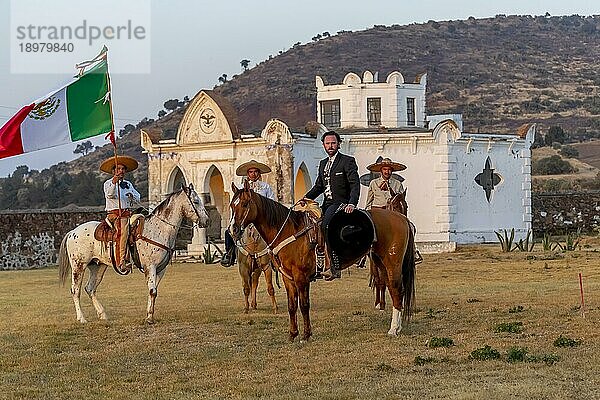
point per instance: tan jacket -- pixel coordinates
(378, 197)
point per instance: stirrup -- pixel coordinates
(418, 257)
(124, 268)
(320, 255)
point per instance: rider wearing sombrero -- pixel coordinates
(252, 172)
(386, 186)
(121, 198)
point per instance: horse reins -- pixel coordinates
(170, 250)
(273, 252)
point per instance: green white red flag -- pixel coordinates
(78, 110)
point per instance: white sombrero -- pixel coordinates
(242, 170)
(386, 162)
(129, 162)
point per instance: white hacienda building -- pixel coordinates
(461, 186)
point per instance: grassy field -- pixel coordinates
(203, 346)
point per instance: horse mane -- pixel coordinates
(276, 213)
(164, 203)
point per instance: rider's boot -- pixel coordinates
(320, 256)
(334, 269)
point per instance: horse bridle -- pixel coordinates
(273, 252)
(165, 247)
(188, 194)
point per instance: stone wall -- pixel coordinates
(31, 239)
(566, 212)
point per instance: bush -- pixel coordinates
(553, 165)
(510, 327)
(563, 341)
(440, 342)
(569, 152)
(485, 353)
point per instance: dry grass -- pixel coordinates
(204, 347)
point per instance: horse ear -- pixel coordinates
(246, 185)
(234, 188)
(191, 187)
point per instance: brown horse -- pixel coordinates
(292, 251)
(252, 261)
(398, 204)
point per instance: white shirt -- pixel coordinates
(262, 188)
(130, 197)
(327, 173)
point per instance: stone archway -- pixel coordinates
(302, 182)
(217, 201)
(176, 179)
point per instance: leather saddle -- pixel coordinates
(106, 233)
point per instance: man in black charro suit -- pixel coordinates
(339, 183)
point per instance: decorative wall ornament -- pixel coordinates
(487, 179)
(208, 120)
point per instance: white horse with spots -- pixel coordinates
(79, 250)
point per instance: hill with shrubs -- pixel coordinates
(498, 72)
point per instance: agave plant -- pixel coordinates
(527, 243)
(506, 241)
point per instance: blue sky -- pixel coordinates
(195, 42)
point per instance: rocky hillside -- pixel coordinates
(498, 72)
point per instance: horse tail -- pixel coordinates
(64, 265)
(408, 277)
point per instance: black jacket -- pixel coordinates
(344, 181)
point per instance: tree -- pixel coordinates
(84, 148)
(244, 63)
(553, 165)
(127, 129)
(223, 78)
(555, 134)
(171, 104)
(162, 113)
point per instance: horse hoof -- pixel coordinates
(392, 332)
(82, 320)
(150, 321)
(103, 316)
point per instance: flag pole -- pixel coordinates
(111, 134)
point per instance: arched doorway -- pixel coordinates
(176, 179)
(217, 203)
(302, 182)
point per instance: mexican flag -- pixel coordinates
(78, 110)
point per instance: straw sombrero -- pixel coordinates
(108, 164)
(386, 162)
(242, 170)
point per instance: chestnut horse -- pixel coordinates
(292, 251)
(398, 204)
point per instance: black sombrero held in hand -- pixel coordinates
(386, 162)
(109, 164)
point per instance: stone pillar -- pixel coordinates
(196, 248)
